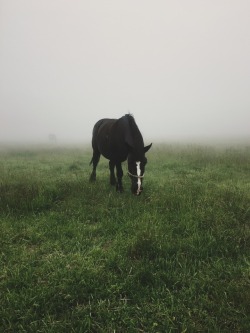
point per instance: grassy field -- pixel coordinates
(79, 257)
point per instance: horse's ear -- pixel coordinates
(147, 148)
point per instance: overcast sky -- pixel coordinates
(182, 68)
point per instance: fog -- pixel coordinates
(180, 67)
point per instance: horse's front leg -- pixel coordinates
(112, 173)
(119, 174)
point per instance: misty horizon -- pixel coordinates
(182, 69)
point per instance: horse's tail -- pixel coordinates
(91, 161)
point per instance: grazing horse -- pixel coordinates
(52, 138)
(119, 140)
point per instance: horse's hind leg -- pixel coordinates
(95, 160)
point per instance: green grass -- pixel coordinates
(79, 257)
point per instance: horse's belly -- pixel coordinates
(114, 156)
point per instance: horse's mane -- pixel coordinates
(134, 131)
(130, 118)
(132, 124)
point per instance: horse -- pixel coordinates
(52, 138)
(119, 140)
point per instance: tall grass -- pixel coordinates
(79, 257)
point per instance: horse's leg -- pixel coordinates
(119, 174)
(112, 173)
(95, 160)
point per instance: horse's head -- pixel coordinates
(136, 169)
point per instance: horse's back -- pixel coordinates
(108, 139)
(102, 128)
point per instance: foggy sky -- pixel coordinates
(180, 67)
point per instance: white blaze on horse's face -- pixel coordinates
(138, 169)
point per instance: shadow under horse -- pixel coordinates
(119, 140)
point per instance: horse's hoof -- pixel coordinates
(119, 189)
(92, 179)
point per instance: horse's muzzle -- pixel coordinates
(136, 191)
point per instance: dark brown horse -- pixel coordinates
(119, 140)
